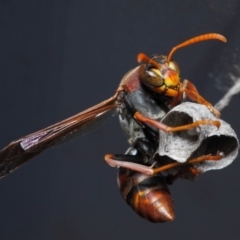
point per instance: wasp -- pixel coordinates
(144, 96)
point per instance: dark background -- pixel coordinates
(59, 57)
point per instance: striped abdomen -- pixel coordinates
(147, 195)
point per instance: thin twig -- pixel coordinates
(235, 89)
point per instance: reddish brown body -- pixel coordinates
(147, 195)
(144, 97)
(130, 81)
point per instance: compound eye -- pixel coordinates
(149, 72)
(152, 77)
(173, 65)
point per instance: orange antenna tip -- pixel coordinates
(141, 57)
(200, 38)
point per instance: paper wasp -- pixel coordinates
(144, 96)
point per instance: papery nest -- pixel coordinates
(204, 140)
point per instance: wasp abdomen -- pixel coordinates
(147, 195)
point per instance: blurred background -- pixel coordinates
(59, 57)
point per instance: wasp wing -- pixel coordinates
(20, 151)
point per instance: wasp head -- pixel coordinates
(160, 75)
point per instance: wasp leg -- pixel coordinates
(138, 116)
(216, 157)
(170, 179)
(192, 92)
(129, 162)
(114, 161)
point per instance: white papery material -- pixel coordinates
(203, 140)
